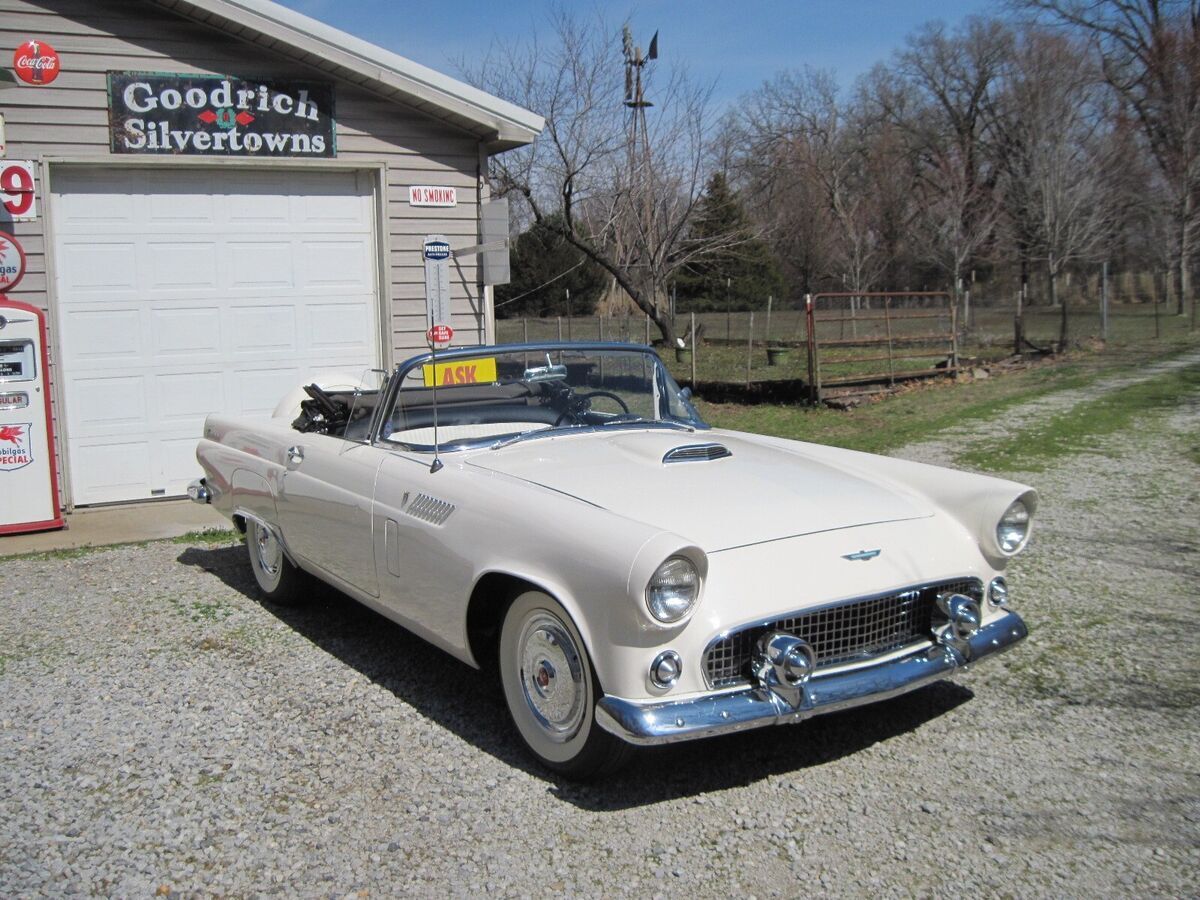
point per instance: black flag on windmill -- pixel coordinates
(653, 52)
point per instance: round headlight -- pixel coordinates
(673, 589)
(1013, 527)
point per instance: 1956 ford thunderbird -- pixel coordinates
(560, 511)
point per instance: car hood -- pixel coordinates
(758, 493)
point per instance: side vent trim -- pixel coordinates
(429, 509)
(696, 453)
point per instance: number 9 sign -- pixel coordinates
(16, 190)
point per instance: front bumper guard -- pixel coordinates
(663, 722)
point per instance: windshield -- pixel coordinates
(490, 395)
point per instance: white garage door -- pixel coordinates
(183, 292)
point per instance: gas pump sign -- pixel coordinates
(28, 470)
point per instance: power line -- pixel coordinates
(540, 286)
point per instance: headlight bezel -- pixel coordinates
(673, 590)
(1013, 528)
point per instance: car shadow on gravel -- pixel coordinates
(471, 705)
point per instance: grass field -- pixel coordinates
(924, 409)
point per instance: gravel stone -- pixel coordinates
(165, 733)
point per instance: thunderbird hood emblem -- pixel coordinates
(862, 555)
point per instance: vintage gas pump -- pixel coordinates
(28, 470)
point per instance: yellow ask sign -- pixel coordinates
(461, 371)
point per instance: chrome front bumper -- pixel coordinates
(663, 722)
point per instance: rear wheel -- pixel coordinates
(279, 580)
(551, 690)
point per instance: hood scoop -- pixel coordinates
(696, 453)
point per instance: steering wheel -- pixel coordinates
(578, 404)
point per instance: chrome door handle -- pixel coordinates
(295, 455)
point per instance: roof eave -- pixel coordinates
(498, 124)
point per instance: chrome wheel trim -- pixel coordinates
(552, 676)
(268, 551)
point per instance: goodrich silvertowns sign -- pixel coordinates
(219, 115)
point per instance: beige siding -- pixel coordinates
(69, 118)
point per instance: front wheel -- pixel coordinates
(551, 690)
(278, 578)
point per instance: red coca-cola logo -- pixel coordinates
(36, 62)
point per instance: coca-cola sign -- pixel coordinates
(219, 115)
(36, 62)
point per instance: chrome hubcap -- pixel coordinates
(270, 554)
(552, 676)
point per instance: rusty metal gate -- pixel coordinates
(869, 340)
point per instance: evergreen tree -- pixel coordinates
(747, 264)
(538, 257)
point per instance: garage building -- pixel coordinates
(230, 196)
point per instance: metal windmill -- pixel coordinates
(635, 97)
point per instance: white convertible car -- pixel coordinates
(561, 512)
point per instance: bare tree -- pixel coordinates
(1054, 146)
(799, 123)
(625, 203)
(1150, 52)
(939, 100)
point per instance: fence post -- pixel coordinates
(695, 350)
(524, 330)
(1018, 333)
(767, 334)
(814, 386)
(887, 322)
(749, 348)
(728, 314)
(559, 319)
(600, 327)
(1104, 301)
(954, 338)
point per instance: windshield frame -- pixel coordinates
(666, 392)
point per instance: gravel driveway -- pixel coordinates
(164, 732)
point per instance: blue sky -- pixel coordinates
(738, 44)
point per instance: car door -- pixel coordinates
(325, 507)
(424, 522)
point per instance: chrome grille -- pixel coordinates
(696, 453)
(846, 632)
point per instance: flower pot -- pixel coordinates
(683, 354)
(777, 355)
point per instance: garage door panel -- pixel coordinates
(182, 267)
(185, 292)
(109, 404)
(340, 325)
(186, 398)
(332, 208)
(121, 470)
(264, 329)
(174, 206)
(341, 264)
(177, 462)
(265, 264)
(256, 392)
(97, 269)
(185, 333)
(260, 208)
(102, 335)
